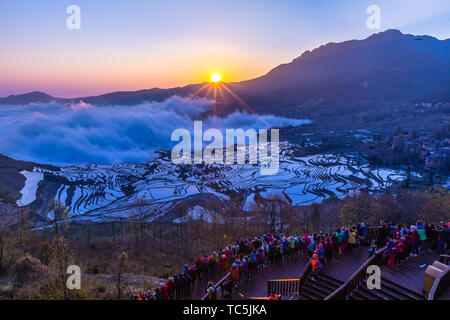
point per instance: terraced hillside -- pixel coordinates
(105, 191)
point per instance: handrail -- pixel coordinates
(218, 284)
(305, 273)
(307, 270)
(372, 232)
(440, 284)
(283, 286)
(444, 258)
(304, 276)
(357, 278)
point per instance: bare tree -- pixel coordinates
(60, 214)
(274, 211)
(22, 223)
(121, 261)
(60, 258)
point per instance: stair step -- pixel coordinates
(326, 284)
(329, 279)
(306, 296)
(315, 294)
(407, 293)
(314, 287)
(374, 294)
(357, 296)
(361, 294)
(391, 292)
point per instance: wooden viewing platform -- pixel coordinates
(344, 277)
(402, 282)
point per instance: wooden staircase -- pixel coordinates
(344, 278)
(318, 287)
(321, 286)
(389, 291)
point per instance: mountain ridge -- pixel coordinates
(386, 67)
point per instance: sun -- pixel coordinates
(216, 77)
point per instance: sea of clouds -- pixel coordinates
(59, 134)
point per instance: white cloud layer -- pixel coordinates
(63, 135)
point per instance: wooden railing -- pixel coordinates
(284, 287)
(358, 278)
(444, 258)
(293, 286)
(360, 275)
(290, 285)
(219, 287)
(287, 287)
(306, 273)
(372, 233)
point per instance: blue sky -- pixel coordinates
(136, 44)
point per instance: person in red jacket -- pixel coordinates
(228, 256)
(235, 274)
(171, 288)
(315, 264)
(399, 249)
(261, 259)
(165, 291)
(223, 262)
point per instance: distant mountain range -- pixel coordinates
(387, 67)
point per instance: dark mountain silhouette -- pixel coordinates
(388, 66)
(27, 98)
(336, 78)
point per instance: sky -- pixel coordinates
(139, 44)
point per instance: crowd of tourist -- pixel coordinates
(246, 257)
(403, 242)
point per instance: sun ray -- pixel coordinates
(217, 85)
(244, 104)
(238, 98)
(215, 103)
(225, 102)
(209, 90)
(201, 89)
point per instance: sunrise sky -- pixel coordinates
(138, 44)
